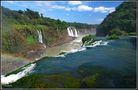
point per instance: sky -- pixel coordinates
(91, 12)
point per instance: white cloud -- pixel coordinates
(74, 2)
(58, 7)
(43, 3)
(104, 9)
(49, 5)
(83, 8)
(61, 7)
(68, 9)
(11, 2)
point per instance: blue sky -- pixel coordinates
(92, 12)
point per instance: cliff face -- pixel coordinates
(124, 18)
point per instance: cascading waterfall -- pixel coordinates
(76, 33)
(72, 32)
(69, 33)
(40, 37)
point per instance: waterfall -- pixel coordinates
(76, 33)
(40, 39)
(72, 32)
(69, 33)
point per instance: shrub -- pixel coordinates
(31, 40)
(88, 38)
(117, 31)
(113, 36)
(132, 33)
(90, 81)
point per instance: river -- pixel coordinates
(110, 61)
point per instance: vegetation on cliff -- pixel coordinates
(123, 18)
(19, 30)
(89, 39)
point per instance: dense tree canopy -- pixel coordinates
(124, 18)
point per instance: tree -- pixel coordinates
(32, 14)
(124, 18)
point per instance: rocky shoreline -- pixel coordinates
(11, 62)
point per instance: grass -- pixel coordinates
(90, 81)
(132, 34)
(113, 37)
(30, 40)
(47, 81)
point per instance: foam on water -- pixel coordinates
(71, 51)
(98, 43)
(63, 55)
(14, 77)
(77, 50)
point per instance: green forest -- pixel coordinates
(19, 30)
(121, 21)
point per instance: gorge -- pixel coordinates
(67, 61)
(35, 32)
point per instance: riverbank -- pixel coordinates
(71, 45)
(96, 63)
(11, 62)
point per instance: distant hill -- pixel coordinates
(124, 18)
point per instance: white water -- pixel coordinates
(76, 33)
(40, 38)
(97, 43)
(69, 33)
(71, 51)
(14, 77)
(77, 50)
(72, 32)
